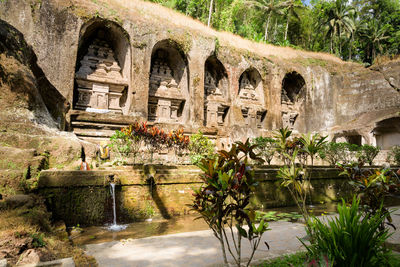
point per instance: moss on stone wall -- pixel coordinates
(165, 194)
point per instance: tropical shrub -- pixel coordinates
(350, 239)
(343, 153)
(155, 139)
(296, 174)
(283, 144)
(312, 144)
(123, 143)
(223, 200)
(372, 186)
(265, 147)
(394, 155)
(294, 178)
(200, 147)
(367, 154)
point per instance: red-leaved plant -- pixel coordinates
(223, 200)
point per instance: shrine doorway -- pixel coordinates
(251, 98)
(168, 84)
(103, 68)
(292, 85)
(216, 90)
(292, 98)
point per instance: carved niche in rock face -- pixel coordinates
(253, 111)
(165, 96)
(99, 79)
(246, 89)
(211, 85)
(215, 108)
(292, 98)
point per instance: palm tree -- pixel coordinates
(268, 7)
(339, 21)
(292, 7)
(374, 34)
(210, 12)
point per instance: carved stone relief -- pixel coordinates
(247, 89)
(99, 79)
(253, 110)
(165, 96)
(215, 104)
(292, 98)
(289, 118)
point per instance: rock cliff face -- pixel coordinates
(111, 62)
(31, 112)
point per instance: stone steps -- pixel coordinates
(96, 127)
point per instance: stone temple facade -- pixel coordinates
(177, 73)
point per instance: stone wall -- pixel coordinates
(80, 197)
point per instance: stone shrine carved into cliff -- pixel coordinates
(289, 118)
(215, 107)
(253, 116)
(247, 89)
(99, 79)
(253, 111)
(165, 96)
(292, 98)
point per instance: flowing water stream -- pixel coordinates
(115, 226)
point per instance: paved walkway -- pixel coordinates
(199, 248)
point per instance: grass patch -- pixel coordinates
(296, 259)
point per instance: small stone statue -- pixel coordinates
(104, 150)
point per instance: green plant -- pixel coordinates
(294, 178)
(297, 259)
(282, 143)
(372, 186)
(121, 143)
(154, 138)
(38, 240)
(343, 153)
(394, 155)
(265, 148)
(312, 144)
(223, 200)
(277, 216)
(367, 153)
(200, 147)
(350, 239)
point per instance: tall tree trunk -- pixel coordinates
(275, 27)
(210, 12)
(340, 43)
(287, 26)
(350, 45)
(266, 27)
(373, 53)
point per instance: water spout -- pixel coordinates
(115, 226)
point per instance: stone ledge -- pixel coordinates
(135, 176)
(162, 174)
(66, 262)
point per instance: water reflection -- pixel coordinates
(100, 234)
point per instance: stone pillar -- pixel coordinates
(163, 113)
(212, 114)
